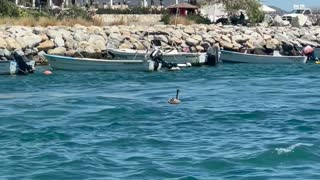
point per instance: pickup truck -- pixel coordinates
(295, 13)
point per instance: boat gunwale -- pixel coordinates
(258, 55)
(93, 59)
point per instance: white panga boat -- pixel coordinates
(12, 67)
(173, 56)
(236, 57)
(88, 64)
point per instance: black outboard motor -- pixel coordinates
(156, 56)
(23, 67)
(212, 56)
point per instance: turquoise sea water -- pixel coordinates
(235, 122)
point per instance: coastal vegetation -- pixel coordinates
(251, 7)
(13, 15)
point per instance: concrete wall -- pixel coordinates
(129, 19)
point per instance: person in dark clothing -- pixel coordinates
(242, 18)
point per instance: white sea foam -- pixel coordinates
(291, 148)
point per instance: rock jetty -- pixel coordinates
(93, 41)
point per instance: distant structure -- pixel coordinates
(100, 3)
(182, 9)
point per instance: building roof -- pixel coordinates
(182, 5)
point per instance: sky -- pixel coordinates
(288, 4)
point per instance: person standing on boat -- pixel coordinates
(309, 52)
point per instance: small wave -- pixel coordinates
(291, 148)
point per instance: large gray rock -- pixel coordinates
(45, 46)
(192, 42)
(3, 43)
(53, 33)
(299, 21)
(272, 44)
(79, 36)
(59, 42)
(277, 21)
(94, 38)
(12, 43)
(162, 38)
(32, 41)
(189, 30)
(305, 42)
(58, 51)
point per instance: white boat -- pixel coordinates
(236, 57)
(88, 64)
(12, 67)
(173, 56)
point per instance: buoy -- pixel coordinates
(175, 100)
(47, 72)
(318, 62)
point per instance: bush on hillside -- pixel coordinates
(199, 19)
(73, 12)
(8, 9)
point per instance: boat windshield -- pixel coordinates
(298, 11)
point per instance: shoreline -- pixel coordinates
(92, 41)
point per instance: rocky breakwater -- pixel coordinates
(93, 41)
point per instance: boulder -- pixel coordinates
(83, 44)
(3, 43)
(240, 38)
(226, 44)
(79, 36)
(305, 42)
(12, 43)
(1, 52)
(192, 42)
(196, 37)
(53, 33)
(162, 38)
(59, 42)
(299, 21)
(94, 38)
(175, 41)
(189, 30)
(45, 46)
(58, 51)
(32, 41)
(100, 44)
(226, 38)
(138, 46)
(272, 44)
(199, 48)
(71, 53)
(126, 45)
(44, 37)
(267, 19)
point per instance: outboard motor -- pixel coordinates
(23, 67)
(156, 56)
(212, 56)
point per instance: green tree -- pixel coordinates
(252, 8)
(8, 8)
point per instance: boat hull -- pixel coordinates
(86, 64)
(235, 57)
(11, 67)
(179, 57)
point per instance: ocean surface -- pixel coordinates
(236, 121)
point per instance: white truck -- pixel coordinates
(298, 11)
